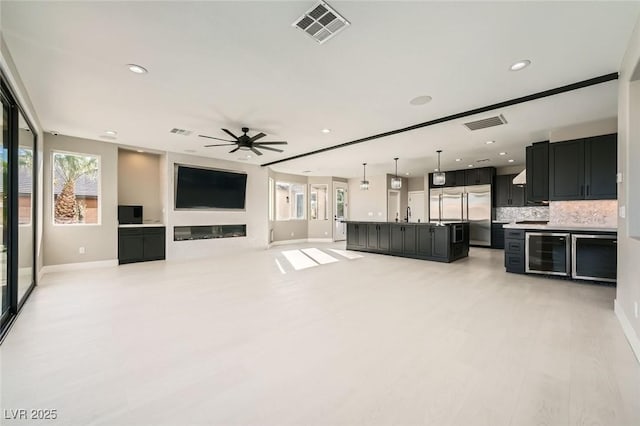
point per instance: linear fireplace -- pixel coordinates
(188, 233)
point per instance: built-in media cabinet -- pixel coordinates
(141, 243)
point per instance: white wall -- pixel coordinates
(628, 287)
(584, 130)
(254, 215)
(62, 242)
(369, 205)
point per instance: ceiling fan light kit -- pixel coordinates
(245, 142)
(396, 182)
(439, 176)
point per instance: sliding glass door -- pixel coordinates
(18, 207)
(4, 186)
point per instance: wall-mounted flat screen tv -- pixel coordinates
(200, 188)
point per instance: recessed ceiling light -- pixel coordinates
(326, 130)
(306, 171)
(511, 160)
(520, 65)
(503, 153)
(420, 100)
(110, 132)
(470, 165)
(436, 170)
(137, 69)
(458, 160)
(490, 142)
(407, 173)
(139, 150)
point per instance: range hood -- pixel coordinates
(521, 179)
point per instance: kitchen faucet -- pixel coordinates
(408, 217)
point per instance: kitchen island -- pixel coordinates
(444, 242)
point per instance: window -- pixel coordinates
(271, 195)
(318, 197)
(76, 188)
(289, 201)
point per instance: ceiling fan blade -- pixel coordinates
(230, 134)
(211, 137)
(255, 151)
(234, 150)
(258, 136)
(221, 144)
(270, 143)
(269, 148)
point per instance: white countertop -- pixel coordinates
(141, 225)
(559, 227)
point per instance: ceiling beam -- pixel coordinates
(539, 95)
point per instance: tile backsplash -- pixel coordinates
(512, 214)
(597, 212)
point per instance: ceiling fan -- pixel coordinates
(246, 142)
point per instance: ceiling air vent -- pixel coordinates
(182, 132)
(321, 22)
(498, 120)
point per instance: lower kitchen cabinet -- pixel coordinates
(357, 235)
(403, 238)
(497, 235)
(514, 255)
(141, 244)
(378, 236)
(416, 240)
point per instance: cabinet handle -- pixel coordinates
(581, 189)
(587, 189)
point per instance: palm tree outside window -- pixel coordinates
(75, 188)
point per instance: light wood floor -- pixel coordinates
(375, 340)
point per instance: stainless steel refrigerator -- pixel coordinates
(464, 204)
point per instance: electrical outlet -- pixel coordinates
(619, 177)
(370, 213)
(635, 309)
(81, 250)
(292, 234)
(326, 233)
(622, 212)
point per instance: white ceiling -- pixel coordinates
(231, 64)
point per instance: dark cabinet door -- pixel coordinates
(497, 236)
(362, 235)
(425, 240)
(130, 248)
(471, 177)
(372, 236)
(566, 170)
(601, 166)
(409, 244)
(503, 190)
(154, 245)
(537, 173)
(440, 241)
(454, 178)
(481, 176)
(397, 238)
(383, 236)
(352, 234)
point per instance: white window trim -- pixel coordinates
(326, 201)
(53, 203)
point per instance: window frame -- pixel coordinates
(53, 194)
(326, 201)
(291, 208)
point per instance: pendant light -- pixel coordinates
(364, 183)
(438, 176)
(396, 182)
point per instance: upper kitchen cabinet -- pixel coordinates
(481, 176)
(601, 166)
(583, 169)
(451, 178)
(538, 173)
(508, 194)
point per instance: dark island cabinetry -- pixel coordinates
(442, 243)
(141, 244)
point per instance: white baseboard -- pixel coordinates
(77, 266)
(628, 330)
